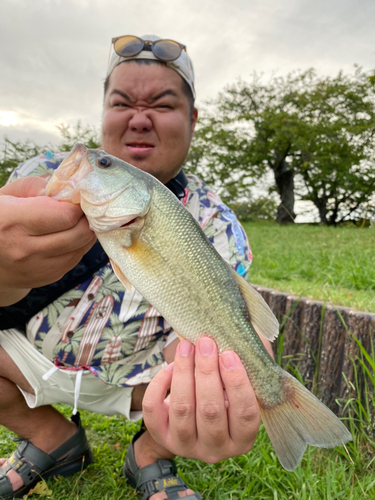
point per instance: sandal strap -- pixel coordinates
(32, 463)
(151, 479)
(28, 461)
(5, 485)
(157, 477)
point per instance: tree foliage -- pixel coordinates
(86, 134)
(15, 153)
(315, 134)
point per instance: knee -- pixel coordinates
(9, 393)
(10, 371)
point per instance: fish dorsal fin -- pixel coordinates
(261, 316)
(121, 276)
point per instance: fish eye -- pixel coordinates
(105, 162)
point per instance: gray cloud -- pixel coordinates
(54, 53)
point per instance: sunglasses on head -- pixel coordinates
(165, 50)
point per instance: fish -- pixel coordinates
(155, 245)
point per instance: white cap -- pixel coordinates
(182, 65)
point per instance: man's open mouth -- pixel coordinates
(136, 145)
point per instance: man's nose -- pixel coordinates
(140, 121)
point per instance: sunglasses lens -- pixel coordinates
(128, 46)
(167, 50)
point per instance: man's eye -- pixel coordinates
(121, 105)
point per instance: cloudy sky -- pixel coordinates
(54, 53)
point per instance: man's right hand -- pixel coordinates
(40, 238)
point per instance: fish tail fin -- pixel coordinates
(299, 420)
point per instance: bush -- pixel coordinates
(261, 208)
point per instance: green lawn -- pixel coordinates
(325, 263)
(323, 474)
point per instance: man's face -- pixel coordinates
(146, 119)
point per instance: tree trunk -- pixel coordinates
(321, 205)
(284, 178)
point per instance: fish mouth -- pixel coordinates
(108, 215)
(132, 221)
(63, 184)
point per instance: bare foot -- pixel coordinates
(14, 478)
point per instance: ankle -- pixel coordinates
(48, 441)
(147, 451)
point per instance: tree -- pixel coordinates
(219, 153)
(315, 134)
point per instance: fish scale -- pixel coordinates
(155, 245)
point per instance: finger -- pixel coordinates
(155, 408)
(38, 214)
(63, 242)
(243, 411)
(25, 187)
(60, 265)
(182, 399)
(44, 215)
(212, 420)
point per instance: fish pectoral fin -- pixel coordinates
(261, 316)
(121, 276)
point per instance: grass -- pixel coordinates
(324, 263)
(323, 474)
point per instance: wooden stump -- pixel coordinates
(317, 340)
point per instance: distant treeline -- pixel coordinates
(316, 135)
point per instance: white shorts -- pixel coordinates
(79, 389)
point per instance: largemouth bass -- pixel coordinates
(155, 245)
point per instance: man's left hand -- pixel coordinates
(211, 413)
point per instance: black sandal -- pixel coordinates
(33, 464)
(160, 476)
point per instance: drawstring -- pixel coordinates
(77, 387)
(50, 372)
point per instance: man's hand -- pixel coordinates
(211, 413)
(40, 238)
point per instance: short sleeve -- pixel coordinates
(220, 225)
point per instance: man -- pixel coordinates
(83, 323)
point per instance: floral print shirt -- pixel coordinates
(102, 327)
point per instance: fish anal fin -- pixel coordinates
(299, 420)
(121, 276)
(261, 316)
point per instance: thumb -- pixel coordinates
(25, 187)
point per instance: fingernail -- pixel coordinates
(169, 368)
(185, 348)
(206, 346)
(229, 360)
